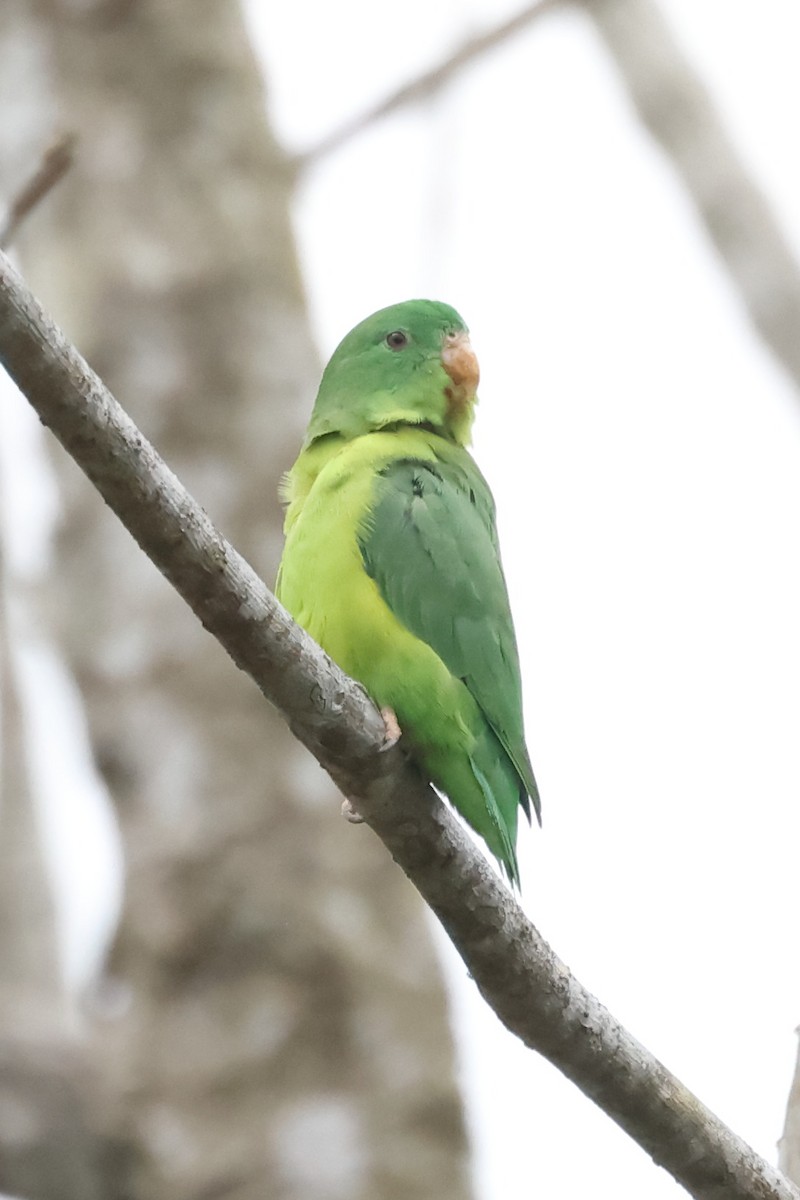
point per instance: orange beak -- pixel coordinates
(460, 363)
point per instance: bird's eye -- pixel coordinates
(396, 340)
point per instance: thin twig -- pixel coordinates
(426, 84)
(55, 162)
(532, 992)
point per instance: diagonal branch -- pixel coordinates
(428, 83)
(531, 991)
(675, 106)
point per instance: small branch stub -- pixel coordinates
(54, 164)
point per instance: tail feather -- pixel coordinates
(504, 832)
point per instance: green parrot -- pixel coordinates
(392, 564)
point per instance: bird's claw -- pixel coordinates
(393, 732)
(392, 735)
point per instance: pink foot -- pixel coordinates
(350, 814)
(393, 730)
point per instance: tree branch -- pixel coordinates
(428, 83)
(675, 106)
(531, 991)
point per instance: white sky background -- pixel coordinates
(644, 451)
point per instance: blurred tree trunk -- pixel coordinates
(43, 1148)
(30, 993)
(273, 1021)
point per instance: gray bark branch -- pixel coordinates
(531, 991)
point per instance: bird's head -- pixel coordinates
(410, 364)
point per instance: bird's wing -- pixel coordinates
(429, 543)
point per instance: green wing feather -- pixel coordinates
(431, 547)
